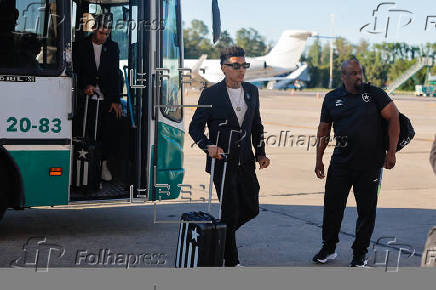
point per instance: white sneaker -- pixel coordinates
(106, 175)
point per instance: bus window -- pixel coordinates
(119, 32)
(171, 93)
(29, 34)
(73, 21)
(95, 8)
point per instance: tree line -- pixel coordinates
(382, 62)
(197, 42)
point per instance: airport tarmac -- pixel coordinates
(287, 232)
(290, 189)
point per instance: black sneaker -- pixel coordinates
(324, 255)
(359, 260)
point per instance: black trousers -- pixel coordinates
(365, 184)
(240, 202)
(108, 128)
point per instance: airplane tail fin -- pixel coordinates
(287, 52)
(197, 66)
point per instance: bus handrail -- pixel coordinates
(129, 99)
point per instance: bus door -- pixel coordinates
(166, 167)
(154, 62)
(139, 91)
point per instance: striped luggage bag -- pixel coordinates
(202, 238)
(87, 156)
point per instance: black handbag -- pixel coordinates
(406, 132)
(406, 129)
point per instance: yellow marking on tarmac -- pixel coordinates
(78, 206)
(108, 204)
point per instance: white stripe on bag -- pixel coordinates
(79, 166)
(184, 245)
(179, 245)
(196, 256)
(85, 173)
(188, 264)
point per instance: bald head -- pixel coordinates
(352, 75)
(347, 63)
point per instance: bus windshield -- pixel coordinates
(30, 36)
(171, 55)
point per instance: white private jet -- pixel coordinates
(283, 58)
(282, 82)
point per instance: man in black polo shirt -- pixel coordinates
(356, 113)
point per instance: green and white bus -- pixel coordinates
(39, 102)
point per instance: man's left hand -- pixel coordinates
(263, 161)
(390, 160)
(117, 109)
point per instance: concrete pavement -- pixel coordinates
(287, 231)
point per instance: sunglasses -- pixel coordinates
(237, 66)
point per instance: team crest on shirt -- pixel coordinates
(365, 97)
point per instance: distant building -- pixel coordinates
(432, 80)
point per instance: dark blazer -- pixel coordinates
(107, 76)
(221, 120)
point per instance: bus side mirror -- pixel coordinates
(216, 21)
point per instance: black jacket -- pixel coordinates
(221, 120)
(107, 76)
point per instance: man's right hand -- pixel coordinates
(89, 90)
(215, 152)
(319, 169)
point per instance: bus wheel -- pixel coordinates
(3, 191)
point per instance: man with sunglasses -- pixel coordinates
(235, 126)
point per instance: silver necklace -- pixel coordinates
(238, 108)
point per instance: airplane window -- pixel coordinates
(29, 34)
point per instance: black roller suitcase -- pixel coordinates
(87, 156)
(202, 238)
(200, 244)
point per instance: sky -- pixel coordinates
(271, 17)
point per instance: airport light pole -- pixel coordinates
(332, 23)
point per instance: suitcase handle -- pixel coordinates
(212, 172)
(85, 116)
